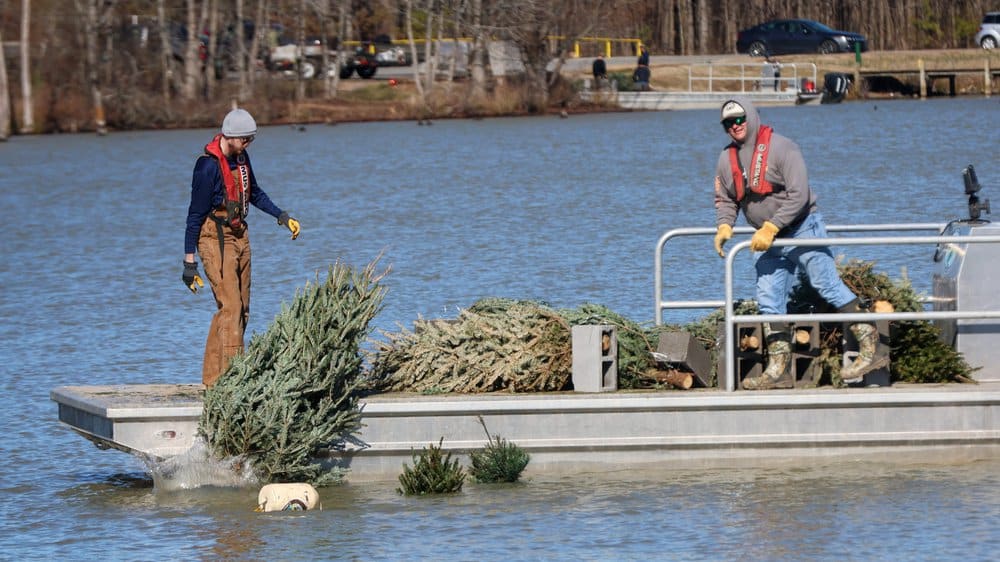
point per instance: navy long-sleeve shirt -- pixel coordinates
(208, 192)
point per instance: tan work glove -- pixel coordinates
(722, 236)
(764, 237)
(292, 224)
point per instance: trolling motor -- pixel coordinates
(971, 188)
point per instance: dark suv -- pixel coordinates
(989, 31)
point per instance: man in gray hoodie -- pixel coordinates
(763, 174)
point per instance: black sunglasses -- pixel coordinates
(728, 123)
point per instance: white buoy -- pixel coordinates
(287, 497)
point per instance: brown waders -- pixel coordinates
(225, 256)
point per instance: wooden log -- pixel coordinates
(749, 343)
(675, 378)
(883, 306)
(802, 337)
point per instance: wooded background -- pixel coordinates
(93, 52)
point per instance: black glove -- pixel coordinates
(191, 276)
(290, 223)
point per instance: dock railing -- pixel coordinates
(731, 319)
(710, 76)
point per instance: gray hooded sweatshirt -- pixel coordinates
(789, 203)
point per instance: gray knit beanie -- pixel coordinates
(239, 123)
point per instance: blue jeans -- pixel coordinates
(776, 270)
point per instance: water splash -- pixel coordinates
(196, 468)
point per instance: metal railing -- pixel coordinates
(706, 77)
(732, 319)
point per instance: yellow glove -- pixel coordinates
(292, 224)
(764, 237)
(722, 236)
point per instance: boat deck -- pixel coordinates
(572, 432)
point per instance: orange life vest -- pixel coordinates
(758, 165)
(237, 196)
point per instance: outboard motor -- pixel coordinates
(835, 86)
(965, 278)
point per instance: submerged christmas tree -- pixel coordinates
(293, 393)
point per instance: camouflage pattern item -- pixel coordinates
(865, 362)
(778, 373)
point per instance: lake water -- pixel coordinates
(565, 211)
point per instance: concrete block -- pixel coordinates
(684, 351)
(748, 351)
(595, 358)
(805, 350)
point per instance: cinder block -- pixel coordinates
(683, 350)
(805, 350)
(595, 358)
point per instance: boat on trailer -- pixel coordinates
(604, 429)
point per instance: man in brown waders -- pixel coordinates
(222, 189)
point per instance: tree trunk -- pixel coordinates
(259, 36)
(93, 76)
(413, 51)
(28, 125)
(166, 54)
(477, 68)
(213, 58)
(194, 66)
(300, 37)
(4, 96)
(241, 53)
(430, 59)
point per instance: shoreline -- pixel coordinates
(383, 100)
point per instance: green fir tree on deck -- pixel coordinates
(294, 392)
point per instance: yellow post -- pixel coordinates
(576, 49)
(607, 49)
(987, 79)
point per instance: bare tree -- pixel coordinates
(28, 101)
(92, 27)
(4, 96)
(477, 57)
(194, 68)
(166, 50)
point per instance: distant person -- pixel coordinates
(775, 71)
(223, 187)
(767, 80)
(643, 56)
(600, 71)
(641, 78)
(763, 175)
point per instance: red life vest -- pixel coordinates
(758, 165)
(237, 196)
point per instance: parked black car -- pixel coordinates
(783, 37)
